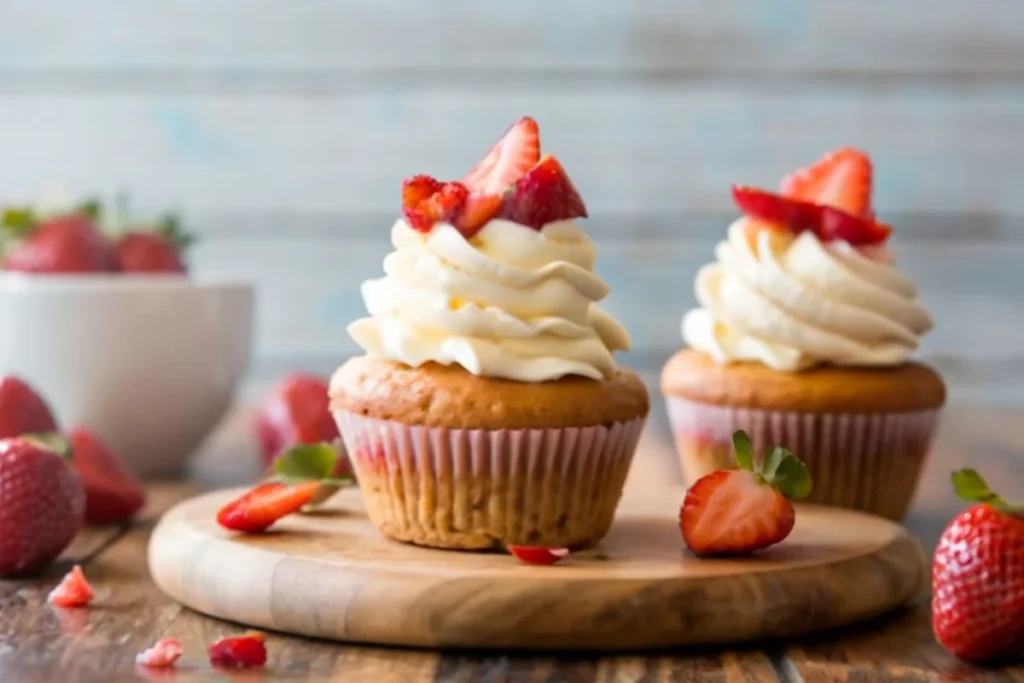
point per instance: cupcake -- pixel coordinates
(488, 410)
(804, 337)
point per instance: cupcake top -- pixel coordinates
(494, 274)
(804, 278)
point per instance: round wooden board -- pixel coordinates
(331, 575)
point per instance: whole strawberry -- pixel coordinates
(978, 575)
(41, 505)
(70, 243)
(294, 412)
(22, 410)
(736, 512)
(156, 249)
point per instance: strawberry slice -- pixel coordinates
(538, 555)
(827, 222)
(545, 194)
(73, 591)
(797, 216)
(839, 225)
(260, 507)
(476, 212)
(162, 654)
(305, 475)
(841, 179)
(740, 511)
(514, 154)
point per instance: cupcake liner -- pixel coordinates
(868, 462)
(476, 488)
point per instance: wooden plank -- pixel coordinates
(632, 149)
(959, 38)
(901, 648)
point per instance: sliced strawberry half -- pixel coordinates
(476, 212)
(545, 194)
(796, 215)
(306, 475)
(841, 179)
(537, 554)
(73, 590)
(514, 154)
(827, 222)
(740, 511)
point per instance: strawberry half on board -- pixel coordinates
(978, 576)
(740, 511)
(304, 476)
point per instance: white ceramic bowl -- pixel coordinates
(150, 363)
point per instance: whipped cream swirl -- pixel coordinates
(792, 301)
(511, 302)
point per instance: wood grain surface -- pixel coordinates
(98, 645)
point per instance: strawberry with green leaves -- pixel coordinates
(978, 575)
(740, 511)
(155, 249)
(68, 243)
(304, 476)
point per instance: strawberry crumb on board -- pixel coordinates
(239, 652)
(978, 576)
(538, 555)
(737, 512)
(73, 590)
(162, 654)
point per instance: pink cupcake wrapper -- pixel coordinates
(476, 488)
(864, 461)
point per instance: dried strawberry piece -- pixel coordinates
(73, 591)
(162, 654)
(538, 554)
(240, 652)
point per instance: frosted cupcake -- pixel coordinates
(804, 337)
(488, 410)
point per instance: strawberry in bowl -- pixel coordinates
(108, 324)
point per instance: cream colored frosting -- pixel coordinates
(511, 302)
(793, 302)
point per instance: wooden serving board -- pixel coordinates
(331, 575)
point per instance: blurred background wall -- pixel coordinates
(282, 131)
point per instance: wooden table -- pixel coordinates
(100, 643)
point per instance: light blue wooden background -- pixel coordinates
(283, 129)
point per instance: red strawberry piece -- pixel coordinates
(838, 225)
(978, 576)
(445, 203)
(260, 507)
(240, 652)
(73, 591)
(162, 654)
(797, 216)
(112, 491)
(841, 179)
(41, 505)
(148, 252)
(538, 555)
(65, 244)
(22, 410)
(476, 212)
(737, 512)
(513, 155)
(543, 195)
(294, 411)
(418, 189)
